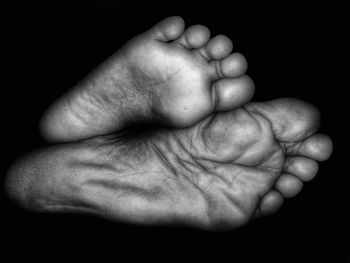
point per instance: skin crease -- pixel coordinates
(216, 175)
(212, 165)
(164, 75)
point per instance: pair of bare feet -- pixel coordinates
(216, 161)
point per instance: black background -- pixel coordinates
(293, 50)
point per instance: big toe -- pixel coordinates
(231, 93)
(291, 119)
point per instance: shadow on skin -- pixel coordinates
(217, 175)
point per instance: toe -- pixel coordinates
(291, 120)
(231, 93)
(294, 124)
(303, 168)
(232, 66)
(318, 147)
(168, 29)
(288, 185)
(194, 37)
(270, 203)
(217, 48)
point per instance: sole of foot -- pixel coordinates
(167, 75)
(217, 175)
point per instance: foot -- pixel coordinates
(165, 75)
(221, 173)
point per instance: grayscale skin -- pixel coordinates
(218, 174)
(166, 75)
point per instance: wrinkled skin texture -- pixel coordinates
(218, 174)
(165, 75)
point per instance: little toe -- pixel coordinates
(168, 29)
(231, 93)
(303, 168)
(217, 48)
(288, 185)
(232, 66)
(270, 203)
(318, 147)
(194, 37)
